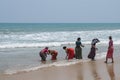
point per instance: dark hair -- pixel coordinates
(78, 38)
(64, 47)
(46, 47)
(110, 37)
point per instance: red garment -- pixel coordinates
(44, 51)
(70, 53)
(110, 53)
(54, 55)
(110, 50)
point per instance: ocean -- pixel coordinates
(20, 43)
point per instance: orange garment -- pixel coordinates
(54, 55)
(70, 53)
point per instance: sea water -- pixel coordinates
(20, 43)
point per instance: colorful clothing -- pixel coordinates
(54, 55)
(110, 50)
(78, 43)
(43, 54)
(44, 51)
(70, 53)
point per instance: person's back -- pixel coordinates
(70, 52)
(44, 51)
(54, 54)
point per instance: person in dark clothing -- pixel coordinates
(92, 53)
(78, 49)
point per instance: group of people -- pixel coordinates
(44, 52)
(77, 52)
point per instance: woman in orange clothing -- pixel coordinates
(70, 52)
(110, 50)
(53, 54)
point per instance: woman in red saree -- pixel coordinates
(70, 53)
(110, 50)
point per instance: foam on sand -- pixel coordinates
(54, 64)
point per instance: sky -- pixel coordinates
(59, 11)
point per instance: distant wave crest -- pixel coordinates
(18, 40)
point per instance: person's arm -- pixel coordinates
(96, 48)
(82, 45)
(66, 54)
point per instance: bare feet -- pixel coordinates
(105, 62)
(112, 62)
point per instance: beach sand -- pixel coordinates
(91, 70)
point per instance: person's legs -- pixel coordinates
(54, 57)
(106, 60)
(112, 60)
(76, 52)
(70, 56)
(80, 53)
(43, 58)
(92, 59)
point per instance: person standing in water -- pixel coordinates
(78, 49)
(93, 49)
(110, 50)
(92, 53)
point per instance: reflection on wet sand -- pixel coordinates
(80, 73)
(94, 72)
(110, 69)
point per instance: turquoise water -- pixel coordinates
(49, 27)
(15, 35)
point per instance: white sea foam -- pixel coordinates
(41, 39)
(55, 64)
(49, 44)
(100, 55)
(30, 45)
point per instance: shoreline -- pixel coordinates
(75, 70)
(91, 70)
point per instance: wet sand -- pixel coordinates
(92, 70)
